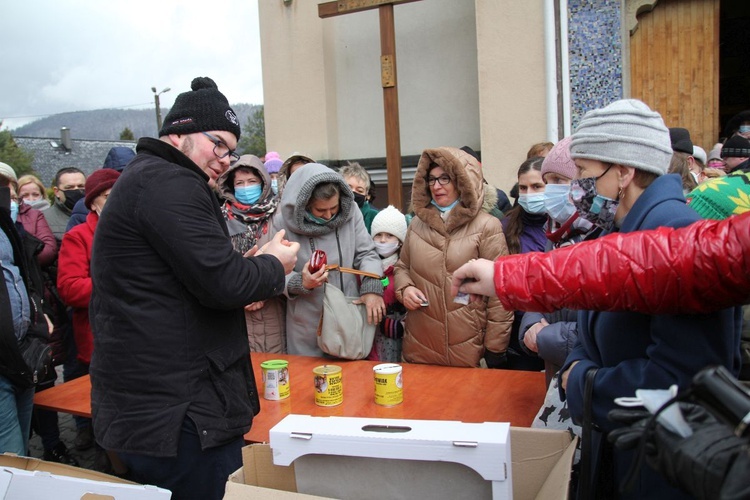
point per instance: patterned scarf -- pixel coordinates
(254, 217)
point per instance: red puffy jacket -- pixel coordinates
(700, 268)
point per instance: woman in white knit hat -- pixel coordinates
(389, 232)
(622, 153)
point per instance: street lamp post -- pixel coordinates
(158, 108)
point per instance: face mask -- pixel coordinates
(592, 206)
(359, 199)
(275, 186)
(744, 129)
(557, 202)
(14, 210)
(318, 220)
(533, 203)
(72, 196)
(386, 249)
(247, 195)
(444, 209)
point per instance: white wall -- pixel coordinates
(470, 72)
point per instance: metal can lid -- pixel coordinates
(274, 364)
(387, 368)
(326, 369)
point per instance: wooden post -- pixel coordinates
(390, 105)
(389, 82)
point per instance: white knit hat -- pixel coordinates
(627, 132)
(391, 221)
(7, 171)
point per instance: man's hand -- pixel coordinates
(476, 277)
(529, 338)
(284, 250)
(413, 298)
(375, 307)
(254, 306)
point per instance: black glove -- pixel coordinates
(699, 464)
(495, 359)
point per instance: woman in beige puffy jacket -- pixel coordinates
(450, 227)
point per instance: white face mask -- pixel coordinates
(386, 249)
(557, 202)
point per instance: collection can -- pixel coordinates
(329, 386)
(389, 384)
(275, 379)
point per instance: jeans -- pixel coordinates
(15, 414)
(193, 473)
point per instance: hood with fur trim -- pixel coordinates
(465, 173)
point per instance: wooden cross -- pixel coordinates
(388, 81)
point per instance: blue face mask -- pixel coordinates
(744, 129)
(247, 195)
(444, 209)
(275, 186)
(318, 220)
(533, 203)
(557, 202)
(14, 210)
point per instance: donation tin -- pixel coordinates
(389, 384)
(275, 379)
(329, 386)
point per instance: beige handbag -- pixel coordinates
(343, 330)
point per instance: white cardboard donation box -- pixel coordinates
(370, 458)
(24, 478)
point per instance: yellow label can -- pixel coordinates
(275, 379)
(329, 386)
(389, 384)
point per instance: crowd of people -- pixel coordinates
(160, 272)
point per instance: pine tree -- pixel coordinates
(14, 156)
(253, 139)
(127, 134)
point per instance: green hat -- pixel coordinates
(721, 197)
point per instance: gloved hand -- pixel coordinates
(495, 359)
(699, 464)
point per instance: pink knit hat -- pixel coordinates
(558, 160)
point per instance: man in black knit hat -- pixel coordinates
(736, 153)
(173, 390)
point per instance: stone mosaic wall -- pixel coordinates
(595, 50)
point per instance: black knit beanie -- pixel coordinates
(201, 110)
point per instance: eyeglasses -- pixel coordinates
(221, 150)
(442, 180)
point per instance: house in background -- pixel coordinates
(52, 154)
(495, 75)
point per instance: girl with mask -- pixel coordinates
(622, 153)
(317, 210)
(248, 204)
(524, 224)
(450, 226)
(389, 232)
(524, 228)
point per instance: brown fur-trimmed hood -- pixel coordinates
(466, 174)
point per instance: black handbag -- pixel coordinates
(37, 354)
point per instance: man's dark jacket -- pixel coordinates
(166, 311)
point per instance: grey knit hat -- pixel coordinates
(201, 110)
(627, 132)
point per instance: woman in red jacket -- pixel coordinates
(700, 268)
(74, 274)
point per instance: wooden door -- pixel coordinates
(674, 65)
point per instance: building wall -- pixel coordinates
(596, 55)
(510, 46)
(322, 87)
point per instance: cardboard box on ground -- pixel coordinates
(540, 461)
(22, 478)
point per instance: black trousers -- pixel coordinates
(193, 473)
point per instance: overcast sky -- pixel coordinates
(76, 55)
